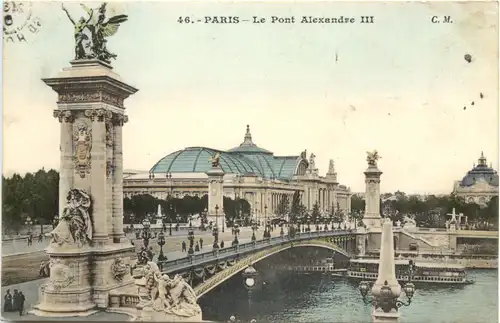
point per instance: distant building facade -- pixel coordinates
(251, 172)
(479, 185)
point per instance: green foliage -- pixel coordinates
(283, 206)
(297, 210)
(142, 205)
(432, 211)
(35, 195)
(316, 214)
(357, 203)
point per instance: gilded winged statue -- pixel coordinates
(372, 157)
(91, 33)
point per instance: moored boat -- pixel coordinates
(423, 272)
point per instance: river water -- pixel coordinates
(311, 298)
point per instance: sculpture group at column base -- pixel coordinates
(164, 299)
(80, 282)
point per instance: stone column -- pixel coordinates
(215, 193)
(66, 169)
(98, 176)
(116, 170)
(372, 207)
(89, 92)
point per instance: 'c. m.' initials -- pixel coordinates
(367, 20)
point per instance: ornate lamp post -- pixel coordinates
(29, 223)
(223, 219)
(215, 229)
(204, 218)
(146, 233)
(267, 233)
(387, 299)
(254, 228)
(236, 231)
(386, 289)
(190, 238)
(249, 280)
(161, 243)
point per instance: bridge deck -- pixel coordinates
(245, 248)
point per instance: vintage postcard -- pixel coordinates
(203, 161)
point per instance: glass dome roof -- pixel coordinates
(245, 159)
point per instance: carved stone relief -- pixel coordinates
(82, 138)
(109, 134)
(90, 94)
(79, 97)
(110, 168)
(119, 269)
(60, 274)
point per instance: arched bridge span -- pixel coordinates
(234, 267)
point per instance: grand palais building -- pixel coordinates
(251, 172)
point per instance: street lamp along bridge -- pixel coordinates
(207, 270)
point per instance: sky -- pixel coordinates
(399, 86)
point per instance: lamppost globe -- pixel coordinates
(363, 288)
(409, 289)
(249, 282)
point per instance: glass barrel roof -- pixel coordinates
(198, 160)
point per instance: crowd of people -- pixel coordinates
(14, 303)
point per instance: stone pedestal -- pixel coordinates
(84, 270)
(372, 218)
(379, 316)
(216, 194)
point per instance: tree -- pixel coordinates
(316, 214)
(283, 206)
(296, 210)
(357, 203)
(35, 195)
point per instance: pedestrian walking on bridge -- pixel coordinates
(201, 243)
(183, 246)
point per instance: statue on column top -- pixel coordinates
(91, 33)
(372, 158)
(215, 160)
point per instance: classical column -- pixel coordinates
(100, 191)
(372, 208)
(116, 170)
(66, 169)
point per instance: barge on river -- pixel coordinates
(423, 272)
